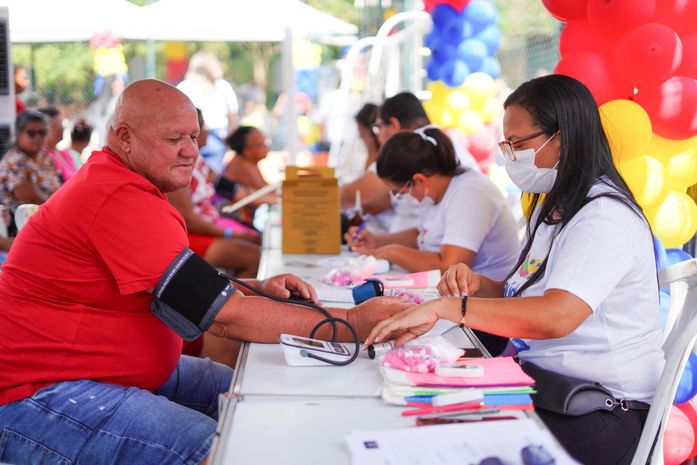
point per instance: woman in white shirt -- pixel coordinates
(582, 299)
(464, 218)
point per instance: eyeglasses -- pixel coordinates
(396, 195)
(33, 132)
(376, 127)
(506, 146)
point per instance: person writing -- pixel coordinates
(582, 299)
(464, 217)
(91, 336)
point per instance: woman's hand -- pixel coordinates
(284, 285)
(458, 281)
(361, 242)
(408, 324)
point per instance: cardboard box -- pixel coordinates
(310, 221)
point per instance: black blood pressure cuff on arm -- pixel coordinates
(190, 295)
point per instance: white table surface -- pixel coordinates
(276, 414)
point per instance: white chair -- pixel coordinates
(23, 213)
(678, 342)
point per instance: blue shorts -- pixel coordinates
(85, 422)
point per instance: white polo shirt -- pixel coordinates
(473, 215)
(604, 256)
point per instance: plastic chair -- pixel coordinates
(679, 340)
(23, 213)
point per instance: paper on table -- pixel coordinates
(420, 280)
(453, 444)
(498, 371)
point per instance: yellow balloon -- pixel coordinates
(458, 101)
(469, 121)
(644, 176)
(675, 220)
(628, 128)
(439, 92)
(662, 149)
(681, 169)
(438, 114)
(479, 87)
(491, 109)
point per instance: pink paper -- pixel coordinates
(498, 371)
(420, 280)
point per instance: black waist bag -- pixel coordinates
(572, 396)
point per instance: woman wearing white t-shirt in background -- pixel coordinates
(464, 219)
(582, 299)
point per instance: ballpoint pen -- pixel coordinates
(359, 230)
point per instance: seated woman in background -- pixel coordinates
(582, 298)
(374, 196)
(250, 148)
(465, 218)
(27, 173)
(79, 140)
(241, 175)
(61, 158)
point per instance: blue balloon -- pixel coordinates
(455, 30)
(472, 52)
(491, 67)
(491, 37)
(454, 72)
(659, 254)
(480, 14)
(677, 256)
(433, 70)
(443, 13)
(442, 51)
(687, 388)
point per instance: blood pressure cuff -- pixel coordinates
(190, 295)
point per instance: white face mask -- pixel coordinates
(411, 202)
(527, 175)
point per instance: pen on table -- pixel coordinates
(479, 411)
(447, 408)
(359, 230)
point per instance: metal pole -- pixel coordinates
(289, 90)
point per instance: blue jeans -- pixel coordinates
(86, 422)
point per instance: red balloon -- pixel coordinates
(648, 54)
(615, 17)
(678, 439)
(565, 10)
(678, 14)
(459, 5)
(482, 144)
(690, 411)
(688, 65)
(579, 36)
(672, 107)
(596, 72)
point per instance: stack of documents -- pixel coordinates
(513, 442)
(504, 385)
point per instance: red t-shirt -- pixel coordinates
(73, 300)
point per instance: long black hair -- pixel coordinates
(561, 103)
(426, 151)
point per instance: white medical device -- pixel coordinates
(303, 351)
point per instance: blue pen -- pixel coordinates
(420, 399)
(360, 230)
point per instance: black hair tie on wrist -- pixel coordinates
(463, 307)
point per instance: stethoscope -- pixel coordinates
(307, 303)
